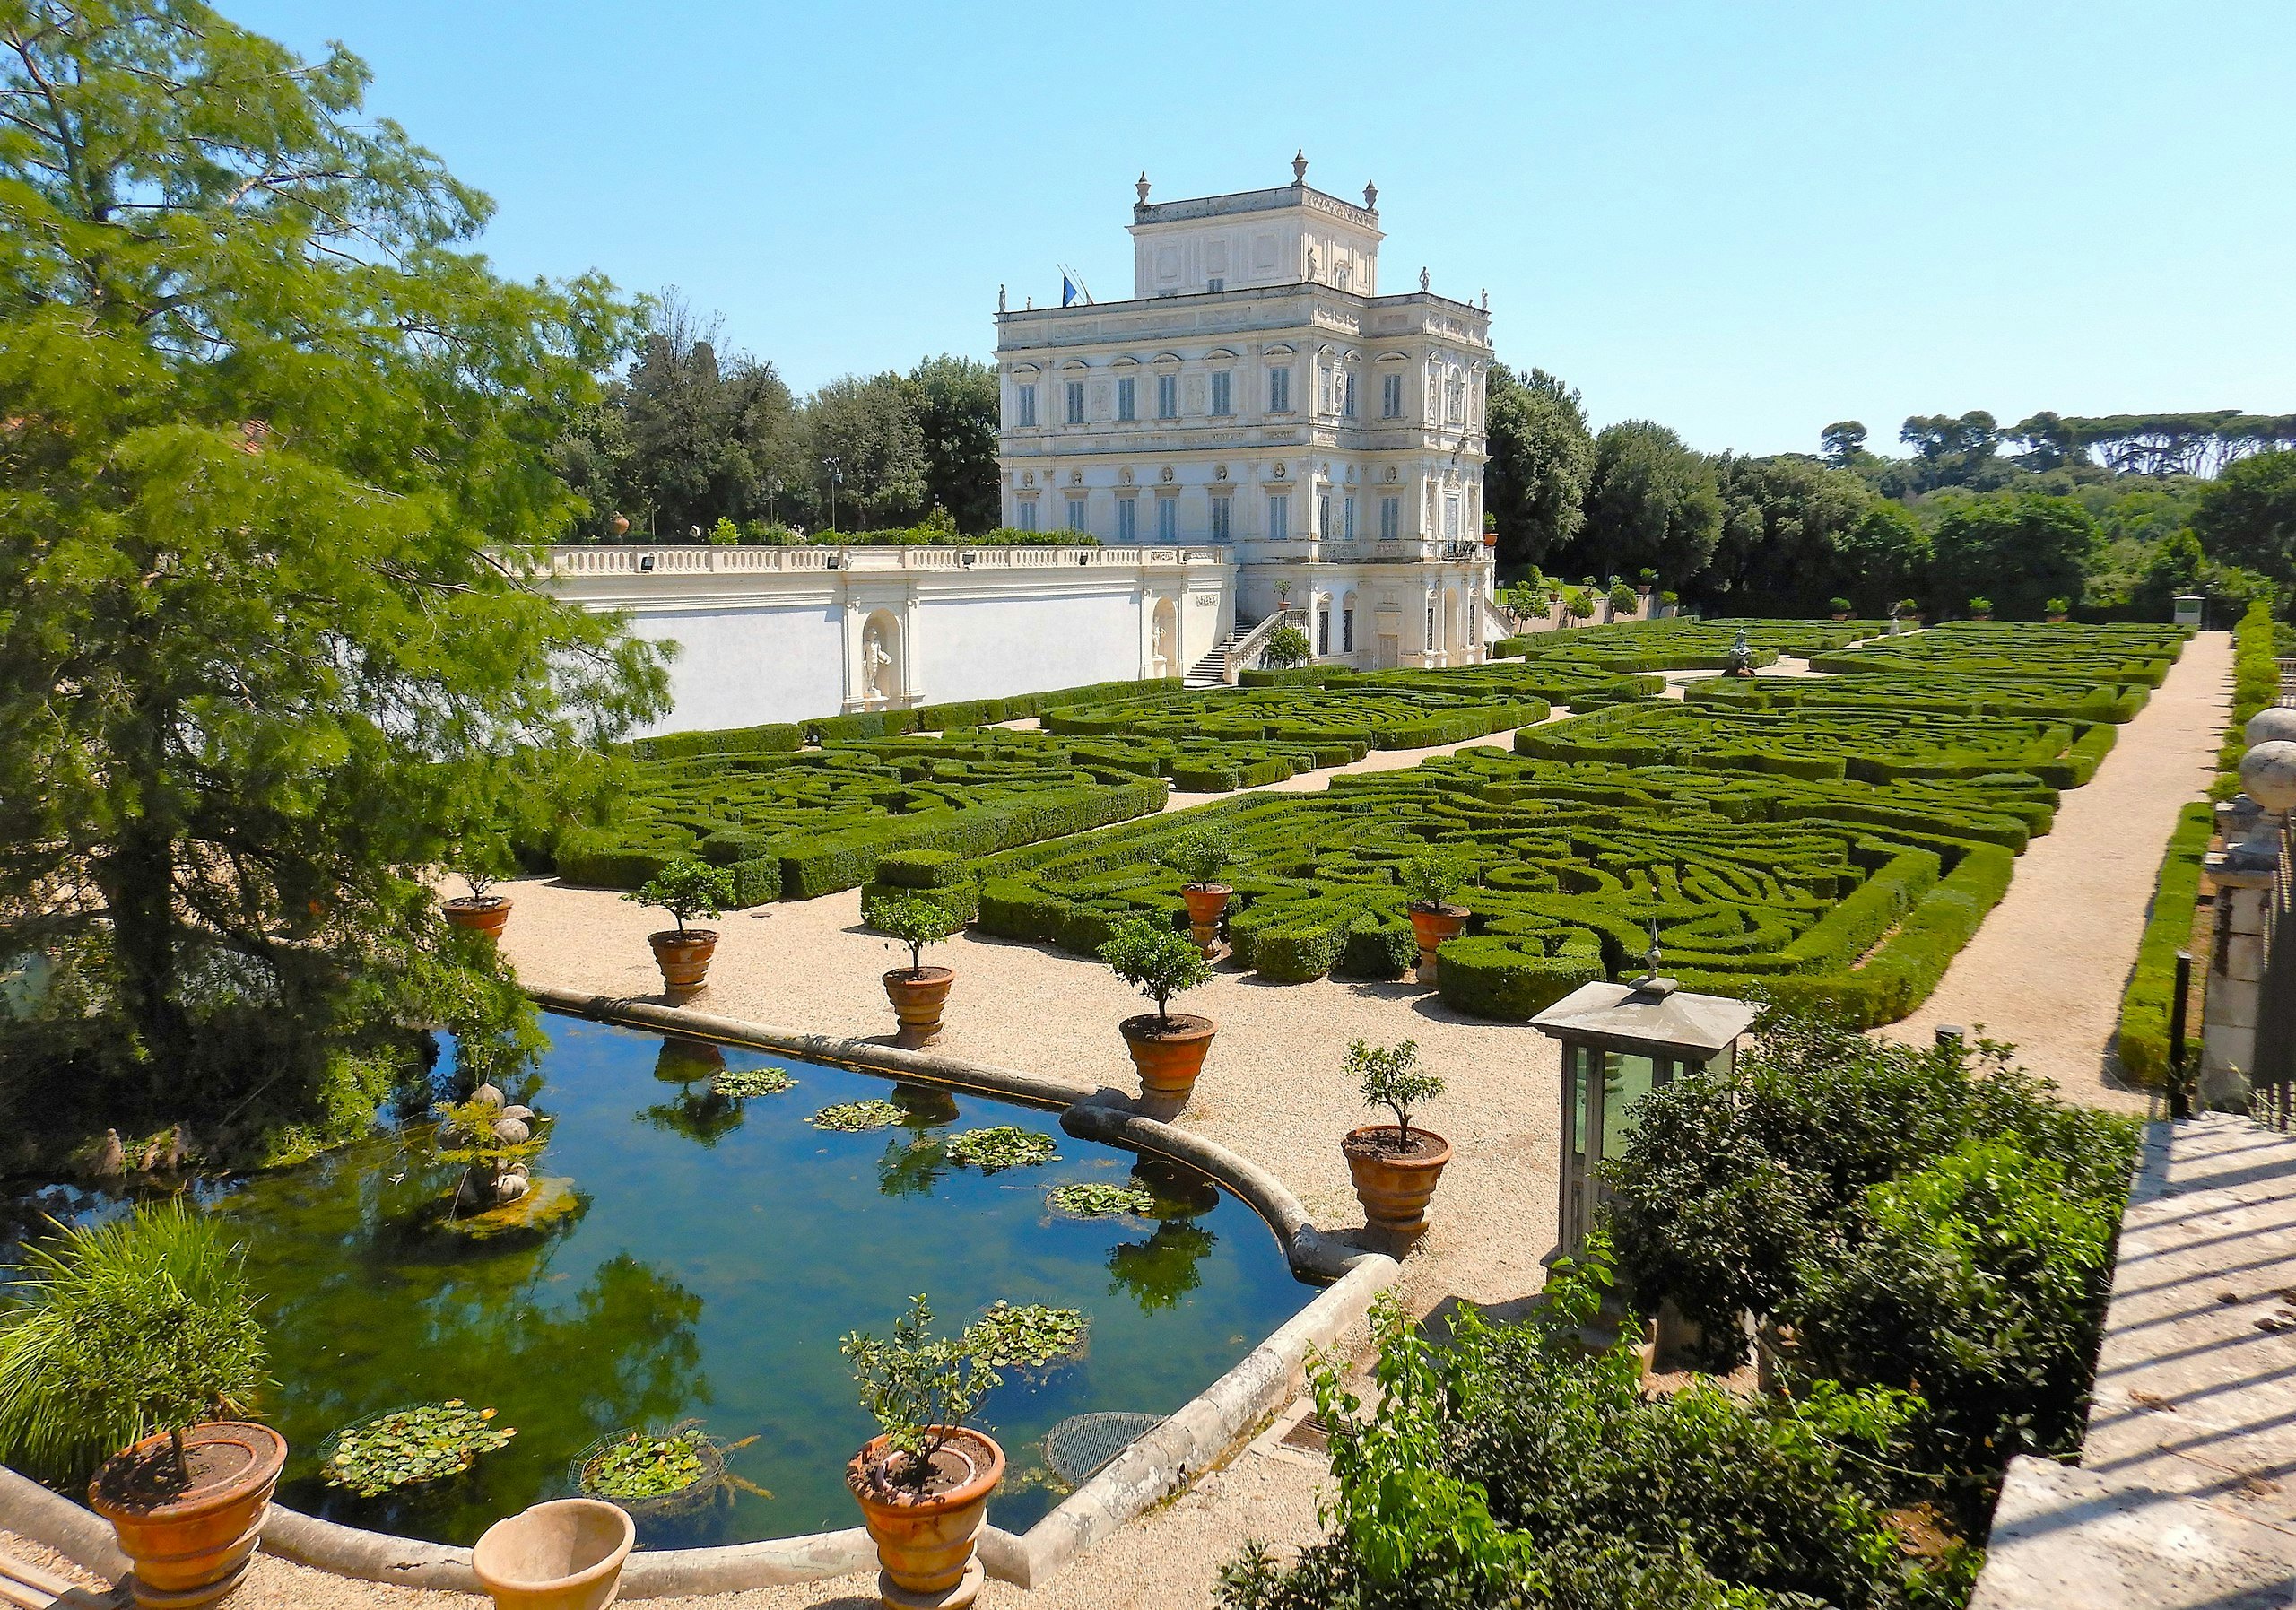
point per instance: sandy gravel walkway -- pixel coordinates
(2047, 969)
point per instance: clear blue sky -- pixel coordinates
(1742, 220)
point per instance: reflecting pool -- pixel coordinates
(715, 1251)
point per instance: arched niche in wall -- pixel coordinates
(883, 668)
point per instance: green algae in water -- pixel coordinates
(708, 1279)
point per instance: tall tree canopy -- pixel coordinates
(1542, 459)
(1650, 505)
(864, 440)
(2247, 516)
(1785, 520)
(273, 441)
(955, 402)
(2018, 549)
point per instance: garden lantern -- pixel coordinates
(1619, 1042)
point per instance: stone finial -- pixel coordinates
(1299, 166)
(1422, 279)
(2273, 724)
(1370, 197)
(2268, 775)
(1486, 299)
(1141, 187)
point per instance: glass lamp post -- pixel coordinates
(1619, 1042)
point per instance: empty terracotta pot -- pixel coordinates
(919, 998)
(1433, 925)
(566, 1554)
(683, 959)
(481, 914)
(1205, 902)
(926, 1547)
(191, 1545)
(1169, 1054)
(1395, 1187)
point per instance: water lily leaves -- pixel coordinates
(752, 1082)
(412, 1445)
(1025, 1335)
(1001, 1146)
(1082, 1201)
(853, 1116)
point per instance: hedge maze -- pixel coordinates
(1832, 850)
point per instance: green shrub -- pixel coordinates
(120, 1331)
(1158, 963)
(916, 922)
(686, 888)
(920, 868)
(2142, 1040)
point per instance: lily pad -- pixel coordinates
(1026, 1336)
(1001, 1146)
(641, 1466)
(419, 1444)
(1084, 1201)
(752, 1082)
(850, 1116)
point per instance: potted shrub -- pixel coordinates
(481, 910)
(1980, 609)
(2056, 609)
(685, 888)
(1200, 856)
(1396, 1167)
(1623, 600)
(924, 1481)
(1841, 608)
(1645, 580)
(1167, 1048)
(1581, 604)
(918, 993)
(1428, 880)
(1668, 603)
(141, 1336)
(1490, 530)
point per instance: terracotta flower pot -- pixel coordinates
(480, 913)
(191, 1545)
(1169, 1054)
(2056, 619)
(1433, 925)
(566, 1554)
(1205, 903)
(918, 998)
(926, 1545)
(1394, 1186)
(1839, 616)
(683, 959)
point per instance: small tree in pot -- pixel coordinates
(685, 888)
(918, 993)
(1200, 856)
(2056, 609)
(1395, 1167)
(1841, 608)
(1428, 880)
(142, 1332)
(1287, 646)
(482, 912)
(1980, 609)
(924, 1481)
(1167, 1048)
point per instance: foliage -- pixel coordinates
(915, 922)
(919, 1388)
(866, 444)
(1287, 646)
(1159, 963)
(1086, 1200)
(1788, 527)
(1000, 1146)
(1651, 501)
(1432, 876)
(851, 1117)
(1579, 604)
(686, 888)
(1512, 1467)
(752, 1082)
(277, 455)
(1028, 1337)
(2256, 684)
(2018, 547)
(1201, 853)
(1979, 1282)
(1622, 599)
(1542, 458)
(2249, 516)
(1981, 606)
(121, 1330)
(1390, 1076)
(1840, 606)
(639, 1466)
(956, 403)
(409, 1446)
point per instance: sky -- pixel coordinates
(1742, 220)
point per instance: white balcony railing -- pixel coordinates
(663, 559)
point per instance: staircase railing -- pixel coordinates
(1243, 652)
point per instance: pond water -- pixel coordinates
(721, 1249)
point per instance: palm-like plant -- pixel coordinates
(121, 1331)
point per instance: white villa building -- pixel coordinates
(1259, 396)
(1257, 436)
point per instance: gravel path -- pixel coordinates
(2048, 968)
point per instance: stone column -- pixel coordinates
(2247, 873)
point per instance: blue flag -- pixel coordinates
(1067, 291)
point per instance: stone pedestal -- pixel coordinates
(2245, 873)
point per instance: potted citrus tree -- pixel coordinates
(1980, 609)
(924, 1481)
(685, 888)
(481, 910)
(1200, 856)
(1428, 880)
(2056, 609)
(1579, 606)
(141, 1335)
(1396, 1167)
(1167, 1048)
(918, 993)
(1841, 608)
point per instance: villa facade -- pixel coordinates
(1257, 396)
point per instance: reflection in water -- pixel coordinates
(913, 1166)
(701, 1115)
(1162, 1269)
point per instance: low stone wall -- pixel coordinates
(1199, 1436)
